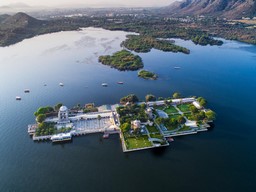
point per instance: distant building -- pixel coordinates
(149, 112)
(136, 124)
(197, 105)
(63, 115)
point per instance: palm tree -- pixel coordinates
(99, 118)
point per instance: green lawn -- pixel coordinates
(171, 128)
(156, 135)
(170, 110)
(174, 116)
(185, 128)
(184, 107)
(160, 107)
(138, 142)
(152, 129)
(189, 116)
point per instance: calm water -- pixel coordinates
(223, 159)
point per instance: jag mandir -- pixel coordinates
(140, 125)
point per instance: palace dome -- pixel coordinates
(63, 108)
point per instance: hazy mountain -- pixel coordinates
(225, 8)
(20, 20)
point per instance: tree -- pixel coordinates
(181, 120)
(99, 118)
(193, 109)
(160, 98)
(125, 127)
(202, 101)
(159, 120)
(40, 118)
(150, 97)
(57, 106)
(210, 115)
(176, 95)
(129, 98)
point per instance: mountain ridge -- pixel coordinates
(225, 8)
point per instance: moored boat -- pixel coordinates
(105, 136)
(120, 82)
(104, 84)
(61, 137)
(18, 98)
(170, 139)
(26, 91)
(61, 84)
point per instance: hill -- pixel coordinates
(225, 8)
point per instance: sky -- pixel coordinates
(140, 3)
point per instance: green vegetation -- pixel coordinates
(210, 115)
(131, 112)
(147, 75)
(45, 129)
(40, 118)
(202, 101)
(44, 110)
(57, 106)
(206, 40)
(184, 128)
(157, 136)
(122, 60)
(125, 127)
(150, 97)
(144, 43)
(50, 129)
(170, 109)
(129, 98)
(137, 142)
(176, 95)
(89, 110)
(152, 129)
(184, 107)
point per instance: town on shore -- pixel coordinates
(140, 125)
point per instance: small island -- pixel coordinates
(144, 43)
(147, 75)
(141, 125)
(122, 60)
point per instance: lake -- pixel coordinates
(222, 159)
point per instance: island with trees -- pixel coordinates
(122, 60)
(140, 124)
(144, 43)
(147, 75)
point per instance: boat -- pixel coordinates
(105, 136)
(120, 82)
(61, 137)
(61, 84)
(45, 84)
(104, 84)
(18, 98)
(170, 139)
(26, 90)
(176, 67)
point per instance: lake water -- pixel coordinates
(222, 159)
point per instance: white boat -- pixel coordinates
(61, 137)
(104, 84)
(120, 82)
(61, 84)
(18, 98)
(26, 90)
